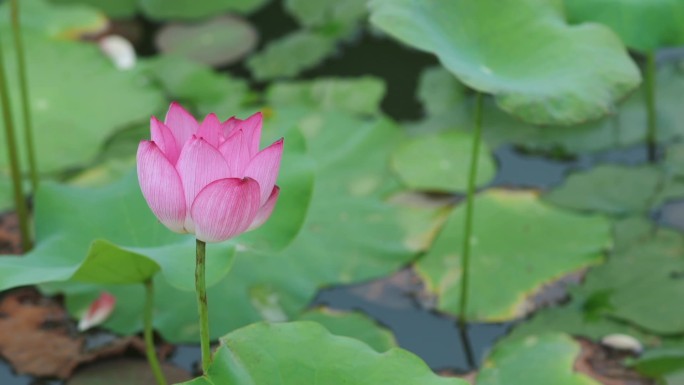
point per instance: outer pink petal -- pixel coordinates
(252, 128)
(182, 124)
(162, 136)
(264, 168)
(198, 165)
(210, 130)
(161, 186)
(266, 210)
(236, 153)
(225, 208)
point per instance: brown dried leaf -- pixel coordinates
(37, 337)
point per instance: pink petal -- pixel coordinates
(225, 208)
(98, 311)
(198, 165)
(252, 128)
(182, 124)
(236, 153)
(210, 130)
(266, 210)
(162, 136)
(264, 168)
(229, 126)
(161, 186)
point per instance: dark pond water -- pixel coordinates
(432, 336)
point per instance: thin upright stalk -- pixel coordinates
(149, 337)
(23, 90)
(650, 88)
(201, 289)
(468, 227)
(15, 169)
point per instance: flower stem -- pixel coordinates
(15, 171)
(468, 226)
(149, 338)
(200, 287)
(650, 87)
(23, 89)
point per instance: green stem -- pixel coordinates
(468, 225)
(650, 88)
(201, 289)
(23, 88)
(19, 201)
(149, 337)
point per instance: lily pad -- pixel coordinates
(63, 98)
(290, 55)
(643, 26)
(441, 162)
(66, 244)
(334, 18)
(534, 360)
(197, 85)
(59, 21)
(538, 67)
(610, 189)
(643, 282)
(116, 9)
(305, 353)
(355, 325)
(439, 91)
(219, 41)
(191, 9)
(517, 242)
(361, 95)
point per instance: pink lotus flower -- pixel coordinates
(208, 179)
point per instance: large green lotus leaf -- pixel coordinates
(195, 85)
(219, 41)
(306, 353)
(355, 325)
(115, 9)
(626, 127)
(349, 235)
(642, 25)
(538, 67)
(77, 225)
(335, 18)
(534, 360)
(361, 95)
(578, 319)
(193, 9)
(441, 162)
(290, 55)
(643, 282)
(517, 242)
(589, 312)
(65, 21)
(77, 100)
(610, 189)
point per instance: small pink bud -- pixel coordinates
(98, 311)
(209, 179)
